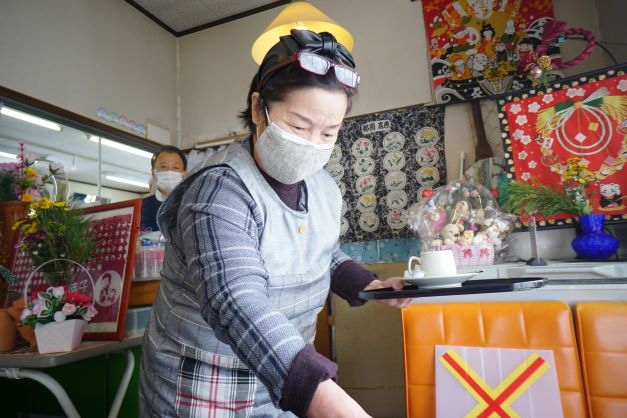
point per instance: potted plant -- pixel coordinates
(571, 197)
(59, 318)
(52, 233)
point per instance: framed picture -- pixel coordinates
(584, 117)
(476, 47)
(117, 226)
(107, 276)
(382, 162)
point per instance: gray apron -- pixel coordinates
(181, 349)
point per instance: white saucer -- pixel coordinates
(440, 281)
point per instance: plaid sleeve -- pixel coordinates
(338, 258)
(220, 226)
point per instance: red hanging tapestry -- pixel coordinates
(475, 45)
(585, 117)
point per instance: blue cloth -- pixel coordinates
(150, 207)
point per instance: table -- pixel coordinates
(19, 365)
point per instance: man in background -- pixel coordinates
(168, 166)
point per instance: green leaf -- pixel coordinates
(46, 313)
(46, 296)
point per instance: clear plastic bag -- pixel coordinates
(464, 217)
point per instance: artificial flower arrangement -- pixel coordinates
(58, 317)
(56, 304)
(21, 181)
(53, 231)
(464, 217)
(571, 197)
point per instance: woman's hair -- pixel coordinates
(287, 80)
(487, 27)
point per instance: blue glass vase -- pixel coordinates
(592, 242)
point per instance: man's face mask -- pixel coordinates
(289, 158)
(168, 180)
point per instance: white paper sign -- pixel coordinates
(499, 382)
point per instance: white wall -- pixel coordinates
(390, 51)
(612, 26)
(84, 54)
(217, 68)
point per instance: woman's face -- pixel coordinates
(312, 113)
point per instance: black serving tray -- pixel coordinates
(468, 287)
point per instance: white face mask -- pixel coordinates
(289, 158)
(168, 180)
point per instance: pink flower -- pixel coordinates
(25, 314)
(91, 312)
(68, 309)
(28, 158)
(59, 316)
(58, 291)
(38, 308)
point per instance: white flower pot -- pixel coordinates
(57, 337)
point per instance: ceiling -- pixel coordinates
(75, 151)
(182, 17)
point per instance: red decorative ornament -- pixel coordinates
(555, 31)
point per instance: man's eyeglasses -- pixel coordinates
(319, 65)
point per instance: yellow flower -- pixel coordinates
(17, 224)
(27, 197)
(31, 172)
(42, 203)
(60, 204)
(581, 181)
(32, 228)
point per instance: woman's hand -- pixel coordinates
(330, 401)
(395, 283)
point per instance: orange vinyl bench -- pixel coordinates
(529, 325)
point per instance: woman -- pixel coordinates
(253, 251)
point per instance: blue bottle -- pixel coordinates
(592, 242)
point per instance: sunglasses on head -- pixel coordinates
(319, 65)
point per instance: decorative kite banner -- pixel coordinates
(584, 117)
(476, 46)
(382, 162)
(482, 382)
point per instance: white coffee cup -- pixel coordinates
(413, 272)
(435, 263)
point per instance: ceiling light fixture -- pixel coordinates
(121, 147)
(127, 181)
(298, 15)
(7, 111)
(7, 155)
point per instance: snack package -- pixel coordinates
(464, 217)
